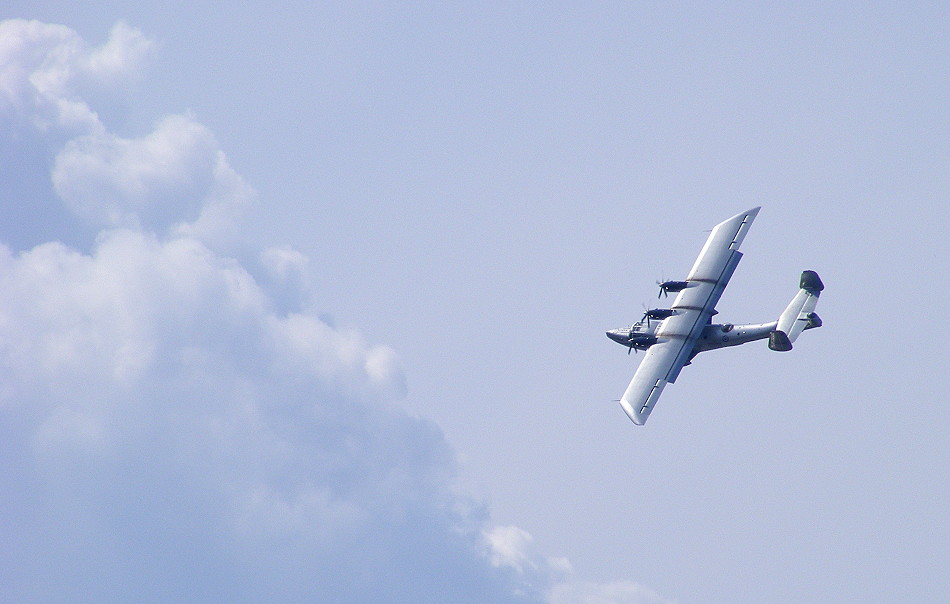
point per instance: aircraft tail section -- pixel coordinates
(800, 313)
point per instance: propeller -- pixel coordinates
(656, 313)
(671, 286)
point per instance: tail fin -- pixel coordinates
(800, 313)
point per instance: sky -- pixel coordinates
(307, 303)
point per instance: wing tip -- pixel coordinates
(637, 418)
(748, 215)
(741, 221)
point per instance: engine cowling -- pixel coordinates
(659, 313)
(642, 340)
(671, 286)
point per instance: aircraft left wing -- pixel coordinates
(693, 308)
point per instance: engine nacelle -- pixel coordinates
(673, 286)
(659, 313)
(642, 340)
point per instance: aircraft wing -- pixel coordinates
(694, 306)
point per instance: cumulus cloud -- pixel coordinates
(173, 180)
(616, 592)
(175, 429)
(186, 436)
(175, 176)
(46, 69)
(175, 426)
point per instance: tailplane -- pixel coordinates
(800, 313)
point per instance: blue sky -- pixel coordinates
(310, 301)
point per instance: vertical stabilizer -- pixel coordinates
(800, 313)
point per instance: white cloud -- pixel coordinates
(616, 592)
(173, 428)
(45, 69)
(513, 547)
(174, 176)
(285, 263)
(158, 403)
(172, 180)
(120, 59)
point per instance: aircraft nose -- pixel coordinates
(614, 334)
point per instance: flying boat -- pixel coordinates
(672, 337)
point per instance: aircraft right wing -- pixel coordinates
(693, 308)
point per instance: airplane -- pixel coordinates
(673, 336)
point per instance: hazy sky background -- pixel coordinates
(326, 316)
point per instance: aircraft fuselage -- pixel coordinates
(641, 336)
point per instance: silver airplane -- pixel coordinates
(672, 336)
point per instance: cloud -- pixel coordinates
(509, 547)
(46, 69)
(616, 592)
(175, 429)
(175, 176)
(173, 180)
(169, 423)
(177, 426)
(514, 547)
